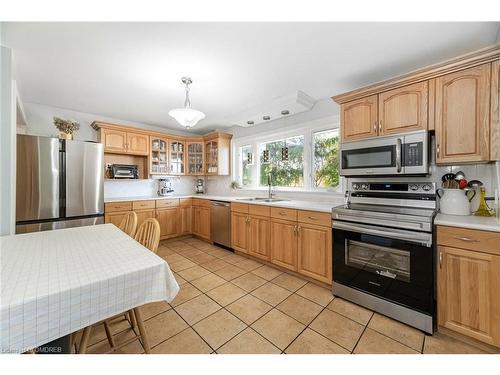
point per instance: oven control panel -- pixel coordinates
(410, 187)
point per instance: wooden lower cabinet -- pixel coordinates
(114, 217)
(468, 293)
(239, 231)
(143, 215)
(315, 252)
(259, 237)
(168, 218)
(284, 243)
(185, 220)
(201, 222)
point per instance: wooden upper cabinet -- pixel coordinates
(315, 252)
(114, 140)
(468, 299)
(137, 144)
(463, 115)
(359, 119)
(403, 109)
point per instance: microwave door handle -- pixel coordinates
(398, 155)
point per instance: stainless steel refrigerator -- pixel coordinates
(59, 183)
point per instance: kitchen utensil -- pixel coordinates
(450, 184)
(459, 176)
(448, 176)
(453, 202)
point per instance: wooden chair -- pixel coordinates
(147, 235)
(129, 223)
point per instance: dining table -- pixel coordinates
(54, 283)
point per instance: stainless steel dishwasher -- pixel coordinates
(220, 223)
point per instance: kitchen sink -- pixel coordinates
(267, 200)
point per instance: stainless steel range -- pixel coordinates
(383, 249)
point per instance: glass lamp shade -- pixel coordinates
(187, 117)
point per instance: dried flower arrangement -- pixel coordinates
(66, 127)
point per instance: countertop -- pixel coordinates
(313, 205)
(469, 222)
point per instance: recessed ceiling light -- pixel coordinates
(266, 117)
(250, 122)
(285, 112)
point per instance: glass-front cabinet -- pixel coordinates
(211, 157)
(176, 157)
(159, 156)
(195, 158)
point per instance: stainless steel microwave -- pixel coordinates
(394, 155)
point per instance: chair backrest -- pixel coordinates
(148, 234)
(129, 223)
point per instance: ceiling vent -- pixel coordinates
(275, 109)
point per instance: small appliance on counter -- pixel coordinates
(124, 171)
(199, 188)
(165, 187)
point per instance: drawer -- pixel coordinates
(142, 205)
(186, 202)
(117, 206)
(254, 209)
(284, 213)
(201, 202)
(314, 217)
(469, 239)
(239, 207)
(162, 203)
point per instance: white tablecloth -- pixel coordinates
(57, 282)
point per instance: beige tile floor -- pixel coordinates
(231, 304)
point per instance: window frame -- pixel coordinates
(307, 130)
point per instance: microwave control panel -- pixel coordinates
(413, 154)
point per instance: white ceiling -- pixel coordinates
(133, 70)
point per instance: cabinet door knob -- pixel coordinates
(437, 150)
(375, 126)
(440, 259)
(380, 126)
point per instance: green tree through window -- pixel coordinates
(284, 173)
(326, 159)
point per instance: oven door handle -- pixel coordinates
(415, 237)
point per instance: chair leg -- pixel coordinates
(142, 330)
(131, 316)
(85, 340)
(108, 334)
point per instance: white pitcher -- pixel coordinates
(454, 201)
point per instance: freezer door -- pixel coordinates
(84, 178)
(37, 184)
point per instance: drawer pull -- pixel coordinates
(312, 218)
(282, 213)
(465, 239)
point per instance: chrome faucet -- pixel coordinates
(270, 193)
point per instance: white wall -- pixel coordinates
(7, 143)
(39, 119)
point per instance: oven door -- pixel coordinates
(382, 262)
(380, 156)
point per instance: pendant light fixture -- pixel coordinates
(187, 116)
